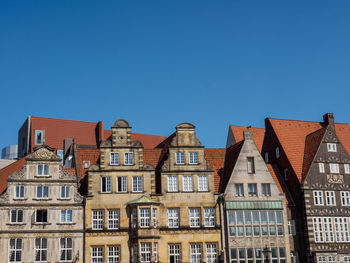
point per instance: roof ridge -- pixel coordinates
(62, 119)
(303, 120)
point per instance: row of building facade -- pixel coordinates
(256, 201)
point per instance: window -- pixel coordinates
(40, 249)
(154, 217)
(209, 217)
(239, 190)
(60, 154)
(211, 252)
(345, 198)
(174, 253)
(196, 253)
(331, 147)
(173, 217)
(266, 157)
(137, 184)
(65, 192)
(15, 250)
(43, 170)
(97, 219)
(277, 150)
(291, 227)
(250, 165)
(286, 174)
(341, 229)
(202, 183)
(129, 158)
(187, 183)
(66, 216)
(122, 186)
(330, 198)
(66, 249)
(321, 167)
(318, 198)
(16, 216)
(39, 137)
(195, 219)
(114, 254)
(19, 191)
(250, 255)
(97, 254)
(155, 252)
(41, 216)
(114, 158)
(145, 217)
(252, 190)
(334, 167)
(180, 158)
(266, 189)
(42, 191)
(325, 227)
(346, 168)
(86, 164)
(193, 156)
(172, 183)
(113, 219)
(106, 184)
(145, 252)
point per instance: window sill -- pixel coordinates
(41, 223)
(16, 224)
(66, 223)
(42, 176)
(64, 199)
(127, 164)
(20, 199)
(104, 192)
(111, 164)
(193, 163)
(42, 199)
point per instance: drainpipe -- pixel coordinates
(84, 230)
(221, 200)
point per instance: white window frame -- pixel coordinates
(187, 183)
(15, 215)
(173, 183)
(66, 249)
(266, 189)
(137, 184)
(145, 217)
(123, 187)
(334, 168)
(345, 198)
(19, 192)
(211, 252)
(175, 252)
(318, 229)
(155, 252)
(239, 190)
(203, 183)
(193, 157)
(291, 227)
(173, 217)
(194, 217)
(114, 158)
(196, 253)
(318, 198)
(113, 219)
(45, 170)
(97, 217)
(114, 254)
(108, 184)
(42, 191)
(321, 167)
(250, 165)
(209, 217)
(65, 192)
(145, 252)
(66, 216)
(60, 154)
(129, 158)
(252, 189)
(16, 250)
(330, 198)
(346, 168)
(331, 147)
(36, 132)
(96, 254)
(180, 158)
(40, 250)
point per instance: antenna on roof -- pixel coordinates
(248, 127)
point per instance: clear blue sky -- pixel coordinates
(160, 63)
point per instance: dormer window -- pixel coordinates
(285, 174)
(129, 158)
(250, 165)
(43, 170)
(39, 137)
(193, 156)
(277, 152)
(266, 157)
(180, 158)
(114, 158)
(86, 164)
(331, 147)
(334, 168)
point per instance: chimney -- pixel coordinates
(328, 119)
(100, 132)
(248, 134)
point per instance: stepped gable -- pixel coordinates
(216, 158)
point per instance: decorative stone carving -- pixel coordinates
(94, 167)
(43, 153)
(335, 178)
(148, 167)
(106, 143)
(121, 123)
(136, 144)
(19, 175)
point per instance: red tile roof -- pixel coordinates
(292, 136)
(10, 169)
(152, 156)
(258, 134)
(148, 141)
(216, 158)
(91, 155)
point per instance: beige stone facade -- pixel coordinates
(42, 213)
(160, 212)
